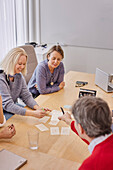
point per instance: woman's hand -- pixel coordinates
(36, 107)
(39, 113)
(62, 84)
(46, 109)
(66, 118)
(8, 132)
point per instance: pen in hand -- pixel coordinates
(62, 110)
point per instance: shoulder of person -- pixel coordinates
(2, 74)
(21, 78)
(19, 75)
(61, 65)
(4, 78)
(43, 64)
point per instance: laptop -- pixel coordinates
(104, 80)
(9, 160)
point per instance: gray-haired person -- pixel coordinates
(93, 124)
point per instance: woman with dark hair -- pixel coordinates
(49, 74)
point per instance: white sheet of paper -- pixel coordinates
(44, 119)
(55, 115)
(54, 122)
(55, 112)
(42, 127)
(54, 130)
(65, 131)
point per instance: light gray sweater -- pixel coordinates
(16, 89)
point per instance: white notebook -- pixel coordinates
(10, 161)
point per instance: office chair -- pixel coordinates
(31, 61)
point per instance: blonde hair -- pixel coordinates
(11, 59)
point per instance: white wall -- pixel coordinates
(82, 59)
(85, 23)
(86, 27)
(87, 59)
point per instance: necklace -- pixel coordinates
(52, 80)
(51, 83)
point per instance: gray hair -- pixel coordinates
(94, 115)
(11, 59)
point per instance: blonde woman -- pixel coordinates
(48, 76)
(13, 86)
(9, 131)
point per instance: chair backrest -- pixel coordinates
(31, 62)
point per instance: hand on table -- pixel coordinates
(8, 132)
(38, 112)
(61, 85)
(46, 109)
(41, 112)
(37, 107)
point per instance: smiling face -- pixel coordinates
(54, 59)
(20, 64)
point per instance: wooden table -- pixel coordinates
(70, 93)
(55, 152)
